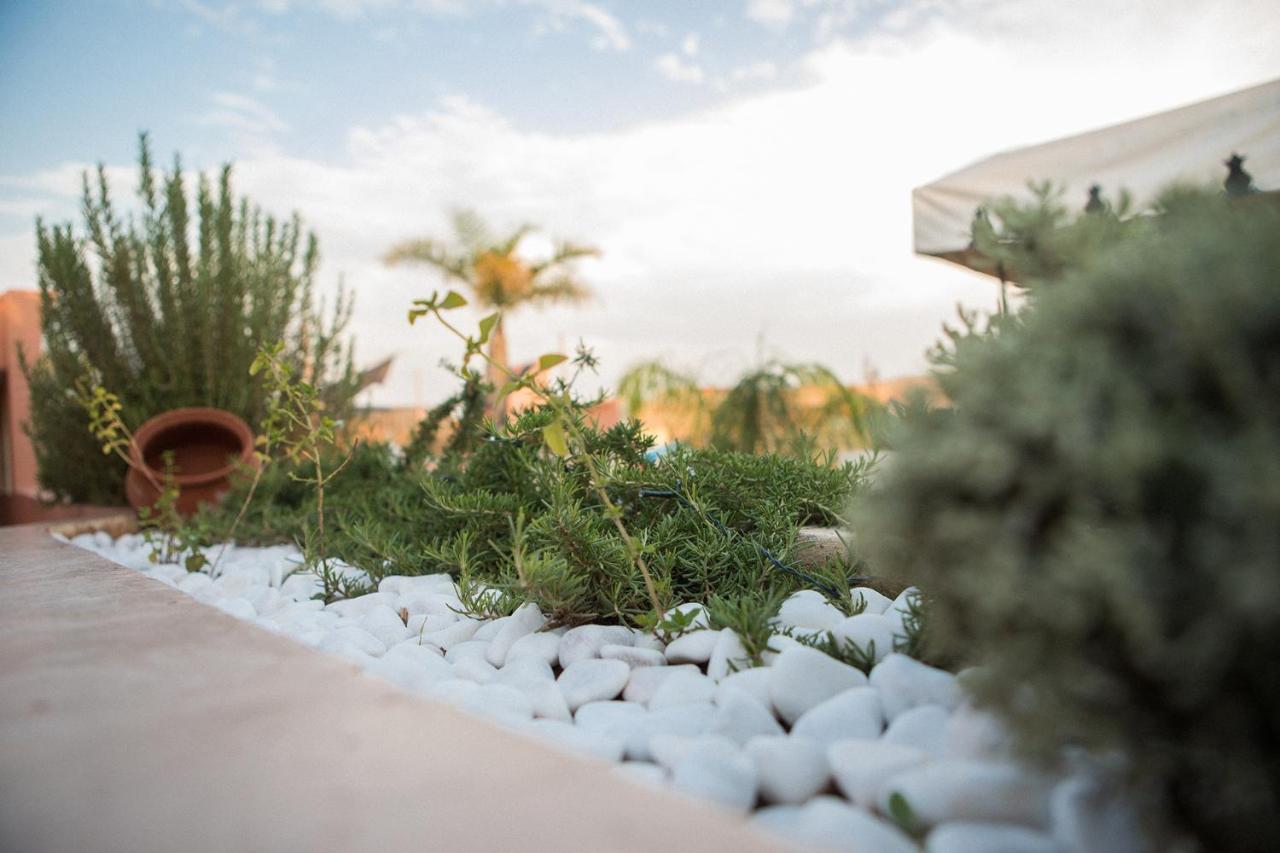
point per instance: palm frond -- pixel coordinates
(564, 288)
(430, 253)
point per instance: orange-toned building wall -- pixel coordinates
(19, 328)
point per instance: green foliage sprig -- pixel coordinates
(298, 424)
(170, 537)
(562, 434)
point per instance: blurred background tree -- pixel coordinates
(776, 407)
(497, 277)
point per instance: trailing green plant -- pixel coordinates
(172, 305)
(1094, 519)
(298, 424)
(171, 538)
(748, 615)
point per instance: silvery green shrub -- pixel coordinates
(1096, 517)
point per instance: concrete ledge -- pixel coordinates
(135, 719)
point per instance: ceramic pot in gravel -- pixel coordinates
(207, 445)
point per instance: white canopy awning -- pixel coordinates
(1142, 156)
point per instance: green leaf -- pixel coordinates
(553, 435)
(902, 813)
(486, 327)
(509, 388)
(452, 299)
(549, 360)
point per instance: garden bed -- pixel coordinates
(813, 749)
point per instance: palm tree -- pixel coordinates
(495, 274)
(775, 407)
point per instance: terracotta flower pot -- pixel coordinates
(207, 446)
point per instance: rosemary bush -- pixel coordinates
(517, 516)
(1097, 518)
(169, 306)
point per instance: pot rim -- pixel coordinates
(193, 415)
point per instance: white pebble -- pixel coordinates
(861, 767)
(489, 628)
(642, 772)
(645, 681)
(694, 647)
(904, 683)
(613, 719)
(468, 650)
(526, 668)
(855, 713)
(923, 727)
(543, 645)
(719, 772)
(968, 837)
(459, 632)
(195, 583)
(357, 637)
(475, 669)
(754, 682)
(790, 769)
(802, 678)
(971, 790)
(358, 606)
(538, 686)
(727, 656)
(971, 733)
(571, 737)
(499, 701)
(740, 717)
(237, 607)
(809, 609)
(526, 619)
(633, 656)
(827, 822)
(870, 632)
(676, 720)
(385, 624)
(585, 641)
(592, 680)
(683, 688)
(670, 750)
(876, 602)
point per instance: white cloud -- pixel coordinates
(610, 33)
(784, 212)
(771, 13)
(754, 71)
(671, 66)
(689, 46)
(243, 114)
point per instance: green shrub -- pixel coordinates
(515, 515)
(1097, 519)
(168, 308)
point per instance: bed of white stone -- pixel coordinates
(812, 748)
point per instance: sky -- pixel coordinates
(745, 166)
